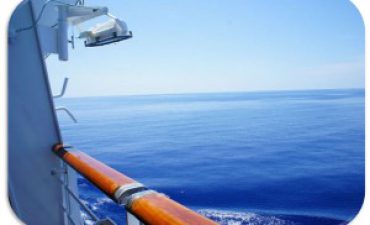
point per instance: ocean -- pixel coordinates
(251, 158)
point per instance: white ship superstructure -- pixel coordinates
(43, 171)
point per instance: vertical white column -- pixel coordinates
(63, 33)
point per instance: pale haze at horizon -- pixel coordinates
(220, 46)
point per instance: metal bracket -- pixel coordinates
(64, 87)
(123, 193)
(58, 171)
(72, 41)
(68, 113)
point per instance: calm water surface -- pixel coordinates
(262, 158)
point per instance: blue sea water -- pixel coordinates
(253, 158)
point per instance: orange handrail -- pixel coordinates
(156, 208)
(102, 176)
(150, 207)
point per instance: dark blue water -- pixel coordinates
(292, 157)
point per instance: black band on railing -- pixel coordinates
(59, 150)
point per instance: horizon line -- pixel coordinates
(214, 92)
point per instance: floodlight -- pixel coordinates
(111, 31)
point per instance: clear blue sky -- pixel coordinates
(221, 46)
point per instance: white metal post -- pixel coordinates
(63, 32)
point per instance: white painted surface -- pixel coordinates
(36, 195)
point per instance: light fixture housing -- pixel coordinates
(111, 31)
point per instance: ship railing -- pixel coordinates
(143, 205)
(85, 215)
